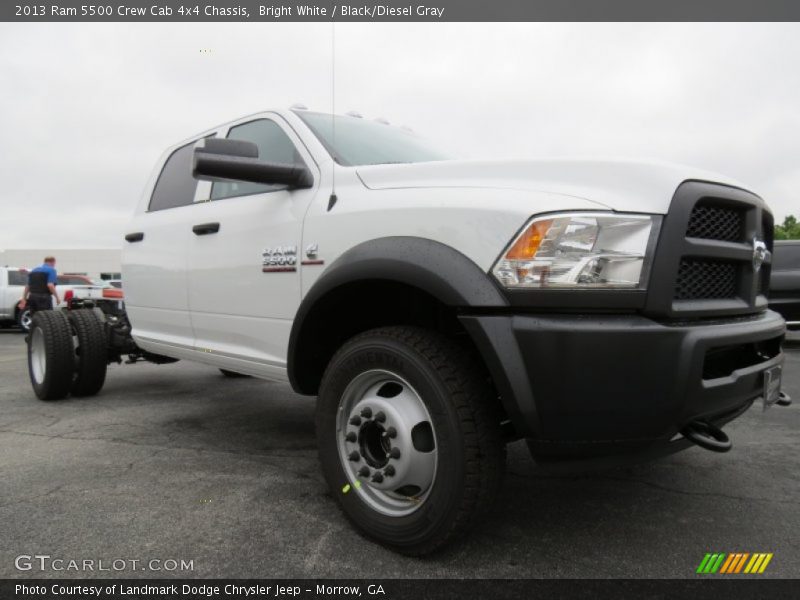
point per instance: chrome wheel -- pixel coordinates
(386, 442)
(25, 320)
(38, 356)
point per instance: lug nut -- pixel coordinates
(364, 471)
(354, 456)
(377, 478)
(389, 470)
(380, 416)
(391, 432)
(366, 412)
(394, 453)
(356, 420)
(351, 437)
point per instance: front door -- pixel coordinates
(244, 255)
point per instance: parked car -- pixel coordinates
(12, 284)
(605, 311)
(784, 289)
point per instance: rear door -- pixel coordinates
(155, 257)
(244, 258)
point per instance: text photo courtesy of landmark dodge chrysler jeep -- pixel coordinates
(605, 311)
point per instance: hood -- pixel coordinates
(623, 185)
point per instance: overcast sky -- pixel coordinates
(86, 109)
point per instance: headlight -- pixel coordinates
(580, 250)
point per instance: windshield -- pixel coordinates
(360, 142)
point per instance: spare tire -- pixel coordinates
(91, 352)
(51, 355)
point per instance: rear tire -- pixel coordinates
(233, 374)
(91, 352)
(51, 355)
(409, 437)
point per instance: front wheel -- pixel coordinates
(409, 439)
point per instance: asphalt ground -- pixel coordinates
(176, 462)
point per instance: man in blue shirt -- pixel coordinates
(41, 286)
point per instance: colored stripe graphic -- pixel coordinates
(765, 563)
(711, 563)
(734, 563)
(718, 564)
(727, 564)
(754, 563)
(740, 564)
(703, 563)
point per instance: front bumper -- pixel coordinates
(581, 386)
(788, 306)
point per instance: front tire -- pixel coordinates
(409, 438)
(51, 355)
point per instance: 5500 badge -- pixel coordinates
(283, 259)
(279, 259)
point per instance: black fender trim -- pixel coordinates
(441, 271)
(494, 337)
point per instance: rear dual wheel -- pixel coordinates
(51, 362)
(67, 354)
(409, 440)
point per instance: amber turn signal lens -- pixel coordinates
(528, 243)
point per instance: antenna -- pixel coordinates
(333, 198)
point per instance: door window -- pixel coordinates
(175, 186)
(273, 146)
(17, 278)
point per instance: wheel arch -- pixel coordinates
(386, 281)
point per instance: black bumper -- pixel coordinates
(788, 306)
(591, 385)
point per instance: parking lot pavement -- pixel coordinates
(178, 462)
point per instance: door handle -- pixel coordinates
(205, 228)
(134, 237)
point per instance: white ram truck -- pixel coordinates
(604, 311)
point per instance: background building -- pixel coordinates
(97, 263)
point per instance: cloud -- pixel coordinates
(88, 108)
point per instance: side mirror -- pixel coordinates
(235, 160)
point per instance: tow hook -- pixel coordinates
(783, 399)
(707, 436)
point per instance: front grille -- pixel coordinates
(716, 223)
(703, 266)
(706, 279)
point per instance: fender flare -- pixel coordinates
(441, 271)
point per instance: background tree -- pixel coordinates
(790, 230)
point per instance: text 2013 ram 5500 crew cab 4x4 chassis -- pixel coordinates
(602, 310)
